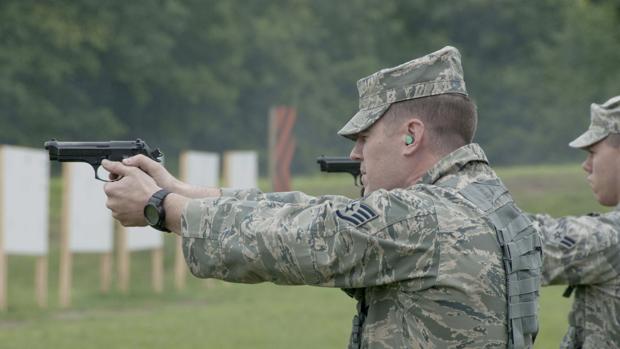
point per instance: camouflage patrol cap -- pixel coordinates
(604, 119)
(436, 73)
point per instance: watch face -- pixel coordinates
(151, 214)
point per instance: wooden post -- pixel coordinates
(281, 146)
(3, 274)
(226, 171)
(105, 272)
(41, 281)
(64, 273)
(123, 259)
(3, 259)
(157, 269)
(3, 279)
(180, 270)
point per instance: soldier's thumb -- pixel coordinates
(142, 162)
(115, 167)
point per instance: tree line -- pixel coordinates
(203, 74)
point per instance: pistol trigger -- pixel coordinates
(111, 177)
(357, 180)
(360, 184)
(96, 168)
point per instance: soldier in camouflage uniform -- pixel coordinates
(436, 252)
(584, 252)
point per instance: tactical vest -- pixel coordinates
(522, 255)
(355, 340)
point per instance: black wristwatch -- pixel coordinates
(154, 210)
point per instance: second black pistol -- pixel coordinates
(340, 164)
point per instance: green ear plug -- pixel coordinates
(408, 139)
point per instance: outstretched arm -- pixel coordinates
(290, 238)
(165, 180)
(579, 250)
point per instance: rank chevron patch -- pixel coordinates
(568, 242)
(357, 213)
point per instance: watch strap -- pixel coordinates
(157, 200)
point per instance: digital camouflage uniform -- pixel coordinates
(584, 252)
(428, 264)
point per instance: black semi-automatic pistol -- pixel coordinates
(341, 164)
(95, 152)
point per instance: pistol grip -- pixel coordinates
(357, 179)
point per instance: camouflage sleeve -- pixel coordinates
(293, 197)
(290, 238)
(579, 250)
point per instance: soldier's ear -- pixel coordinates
(413, 136)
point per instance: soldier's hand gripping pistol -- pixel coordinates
(341, 164)
(94, 153)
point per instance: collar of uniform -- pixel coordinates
(453, 162)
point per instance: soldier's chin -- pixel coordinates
(606, 200)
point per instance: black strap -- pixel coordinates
(358, 322)
(157, 199)
(568, 291)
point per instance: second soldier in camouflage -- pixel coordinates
(584, 251)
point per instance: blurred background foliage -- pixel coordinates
(196, 74)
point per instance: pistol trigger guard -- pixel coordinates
(359, 184)
(96, 168)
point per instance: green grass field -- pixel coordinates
(220, 315)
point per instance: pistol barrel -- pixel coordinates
(338, 164)
(97, 151)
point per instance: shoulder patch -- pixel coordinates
(567, 242)
(357, 213)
